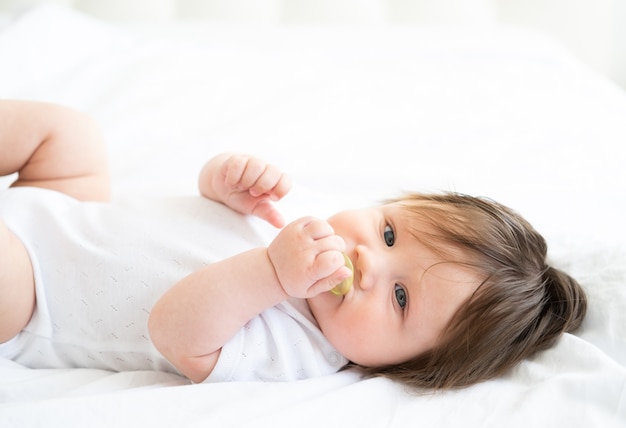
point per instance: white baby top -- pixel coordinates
(99, 269)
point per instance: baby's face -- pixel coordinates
(402, 297)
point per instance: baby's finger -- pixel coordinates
(318, 229)
(266, 181)
(281, 188)
(266, 211)
(255, 168)
(330, 243)
(329, 282)
(272, 182)
(233, 169)
(326, 264)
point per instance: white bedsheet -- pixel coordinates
(355, 115)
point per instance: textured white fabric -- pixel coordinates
(99, 269)
(272, 347)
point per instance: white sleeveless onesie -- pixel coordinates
(99, 269)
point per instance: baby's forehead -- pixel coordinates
(426, 228)
(408, 216)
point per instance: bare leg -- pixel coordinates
(17, 286)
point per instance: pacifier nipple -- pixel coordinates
(344, 286)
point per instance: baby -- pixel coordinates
(448, 290)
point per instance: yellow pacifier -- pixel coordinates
(344, 286)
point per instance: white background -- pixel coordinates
(594, 30)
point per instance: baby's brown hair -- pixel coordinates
(522, 306)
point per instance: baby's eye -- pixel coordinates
(401, 296)
(389, 236)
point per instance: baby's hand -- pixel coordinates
(246, 184)
(307, 258)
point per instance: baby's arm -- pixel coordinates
(195, 318)
(53, 147)
(246, 184)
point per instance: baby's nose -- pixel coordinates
(365, 275)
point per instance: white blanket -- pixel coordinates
(356, 116)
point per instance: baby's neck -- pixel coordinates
(302, 306)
